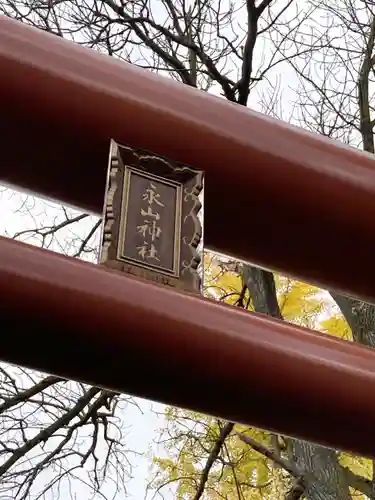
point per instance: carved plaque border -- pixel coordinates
(125, 164)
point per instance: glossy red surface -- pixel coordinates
(277, 196)
(84, 322)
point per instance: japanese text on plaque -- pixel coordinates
(150, 228)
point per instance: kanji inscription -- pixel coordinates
(151, 234)
(151, 227)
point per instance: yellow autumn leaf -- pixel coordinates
(337, 327)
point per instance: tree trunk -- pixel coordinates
(323, 477)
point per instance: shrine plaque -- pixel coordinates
(151, 226)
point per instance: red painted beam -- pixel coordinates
(277, 196)
(88, 323)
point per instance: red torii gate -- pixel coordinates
(287, 200)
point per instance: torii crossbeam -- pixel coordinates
(277, 196)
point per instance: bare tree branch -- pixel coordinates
(24, 396)
(49, 431)
(216, 449)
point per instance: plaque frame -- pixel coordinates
(127, 167)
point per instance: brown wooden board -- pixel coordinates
(151, 226)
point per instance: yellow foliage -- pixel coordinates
(337, 327)
(221, 284)
(359, 465)
(299, 302)
(194, 435)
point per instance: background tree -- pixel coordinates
(59, 438)
(207, 458)
(242, 51)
